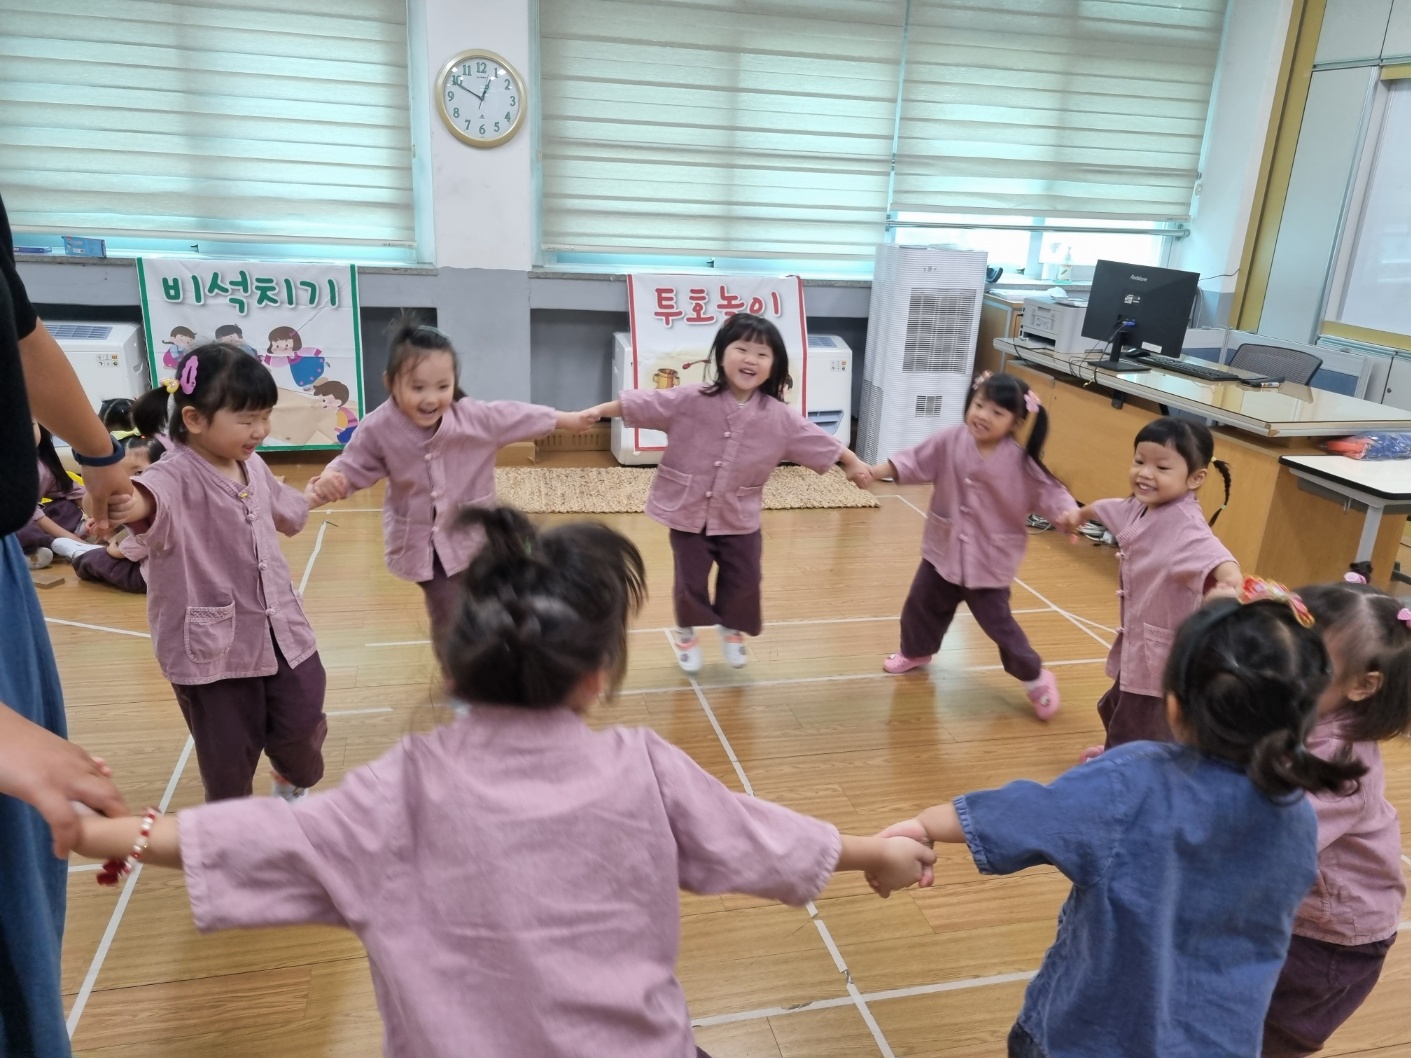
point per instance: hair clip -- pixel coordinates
(1257, 589)
(1404, 616)
(169, 384)
(1031, 401)
(1354, 578)
(188, 376)
(980, 380)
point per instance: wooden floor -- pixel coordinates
(812, 723)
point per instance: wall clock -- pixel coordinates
(481, 98)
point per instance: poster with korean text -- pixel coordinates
(298, 319)
(674, 320)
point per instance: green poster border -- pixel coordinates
(156, 378)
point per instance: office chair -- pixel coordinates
(1292, 365)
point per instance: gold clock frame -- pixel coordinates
(450, 122)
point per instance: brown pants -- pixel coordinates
(1321, 986)
(1133, 717)
(443, 593)
(930, 607)
(66, 513)
(122, 573)
(738, 574)
(233, 721)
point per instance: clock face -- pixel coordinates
(481, 98)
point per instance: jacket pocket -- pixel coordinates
(1156, 646)
(751, 501)
(669, 488)
(209, 632)
(395, 529)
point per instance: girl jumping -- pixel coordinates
(1169, 559)
(227, 625)
(436, 448)
(447, 855)
(985, 487)
(724, 439)
(1188, 861)
(1346, 925)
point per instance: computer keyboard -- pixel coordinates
(1185, 367)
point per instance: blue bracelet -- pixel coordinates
(115, 456)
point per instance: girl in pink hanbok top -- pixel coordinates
(436, 448)
(1348, 922)
(724, 439)
(1169, 559)
(515, 875)
(985, 487)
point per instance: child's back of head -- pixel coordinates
(1246, 677)
(1368, 636)
(540, 611)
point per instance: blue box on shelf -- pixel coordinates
(79, 246)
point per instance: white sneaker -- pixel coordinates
(688, 649)
(733, 643)
(71, 549)
(286, 790)
(40, 558)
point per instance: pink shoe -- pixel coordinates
(1091, 753)
(896, 664)
(1044, 696)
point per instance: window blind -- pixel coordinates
(1058, 108)
(726, 128)
(243, 119)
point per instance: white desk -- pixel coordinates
(1288, 411)
(1382, 486)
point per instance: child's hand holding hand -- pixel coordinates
(327, 488)
(1069, 521)
(903, 862)
(121, 508)
(578, 421)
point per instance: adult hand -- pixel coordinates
(50, 773)
(103, 485)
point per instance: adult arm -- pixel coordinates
(51, 773)
(57, 400)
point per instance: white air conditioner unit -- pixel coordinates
(110, 359)
(922, 325)
(829, 397)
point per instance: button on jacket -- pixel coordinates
(976, 531)
(217, 582)
(433, 473)
(720, 454)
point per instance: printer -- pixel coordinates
(1056, 323)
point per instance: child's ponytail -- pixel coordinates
(1223, 469)
(540, 611)
(149, 412)
(1282, 764)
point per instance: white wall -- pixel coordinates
(482, 203)
(1255, 31)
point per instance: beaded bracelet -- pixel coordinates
(115, 870)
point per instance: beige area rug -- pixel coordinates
(623, 490)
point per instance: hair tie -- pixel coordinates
(1257, 589)
(1404, 616)
(188, 376)
(980, 380)
(1354, 578)
(169, 384)
(1031, 401)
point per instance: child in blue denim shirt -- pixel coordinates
(1188, 861)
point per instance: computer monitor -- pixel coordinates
(1139, 309)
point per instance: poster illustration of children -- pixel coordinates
(286, 349)
(335, 395)
(231, 334)
(180, 340)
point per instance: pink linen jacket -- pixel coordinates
(976, 531)
(217, 582)
(433, 474)
(1167, 555)
(719, 454)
